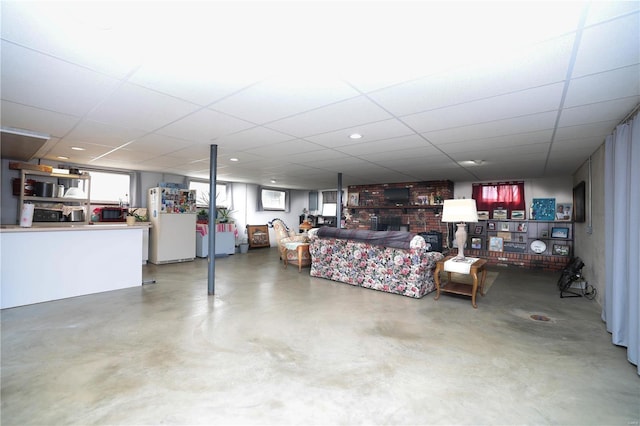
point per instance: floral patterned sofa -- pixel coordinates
(391, 261)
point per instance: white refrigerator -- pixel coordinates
(172, 213)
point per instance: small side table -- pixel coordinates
(462, 288)
(301, 250)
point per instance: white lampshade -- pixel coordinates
(463, 210)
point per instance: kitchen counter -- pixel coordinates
(45, 263)
(79, 227)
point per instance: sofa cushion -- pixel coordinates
(394, 239)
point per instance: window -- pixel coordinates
(109, 187)
(273, 199)
(507, 195)
(202, 193)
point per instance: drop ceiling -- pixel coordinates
(466, 91)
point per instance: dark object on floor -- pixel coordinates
(572, 273)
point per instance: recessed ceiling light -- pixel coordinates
(77, 148)
(355, 136)
(233, 159)
(273, 181)
(62, 157)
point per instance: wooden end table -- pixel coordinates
(301, 249)
(462, 288)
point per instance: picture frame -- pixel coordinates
(491, 226)
(579, 197)
(522, 227)
(483, 215)
(543, 209)
(518, 215)
(557, 232)
(354, 199)
(560, 250)
(564, 211)
(478, 230)
(476, 243)
(506, 236)
(495, 244)
(504, 226)
(544, 233)
(500, 214)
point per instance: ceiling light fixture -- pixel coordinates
(233, 159)
(273, 181)
(77, 148)
(355, 136)
(62, 157)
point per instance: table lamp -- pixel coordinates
(459, 212)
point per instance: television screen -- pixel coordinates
(396, 195)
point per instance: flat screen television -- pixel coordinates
(396, 195)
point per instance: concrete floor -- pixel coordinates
(275, 346)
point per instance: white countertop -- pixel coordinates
(79, 227)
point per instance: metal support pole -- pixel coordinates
(213, 177)
(339, 203)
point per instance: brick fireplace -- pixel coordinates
(420, 213)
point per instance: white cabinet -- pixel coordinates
(225, 243)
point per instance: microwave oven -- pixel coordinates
(113, 214)
(46, 215)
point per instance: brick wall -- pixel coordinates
(418, 216)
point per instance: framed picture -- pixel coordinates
(544, 234)
(478, 230)
(506, 236)
(483, 215)
(560, 250)
(522, 227)
(504, 226)
(495, 244)
(517, 214)
(476, 243)
(354, 198)
(564, 211)
(543, 209)
(500, 214)
(559, 232)
(579, 202)
(491, 226)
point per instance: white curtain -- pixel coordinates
(621, 310)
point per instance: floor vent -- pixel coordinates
(537, 317)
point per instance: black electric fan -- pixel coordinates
(573, 273)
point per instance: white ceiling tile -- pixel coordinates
(370, 132)
(598, 54)
(277, 98)
(196, 83)
(604, 11)
(527, 102)
(40, 81)
(510, 126)
(93, 132)
(615, 110)
(346, 114)
(497, 143)
(38, 120)
(606, 86)
(204, 126)
(139, 108)
(414, 142)
(155, 145)
(64, 32)
(602, 129)
(532, 67)
(251, 138)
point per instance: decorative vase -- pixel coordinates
(131, 220)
